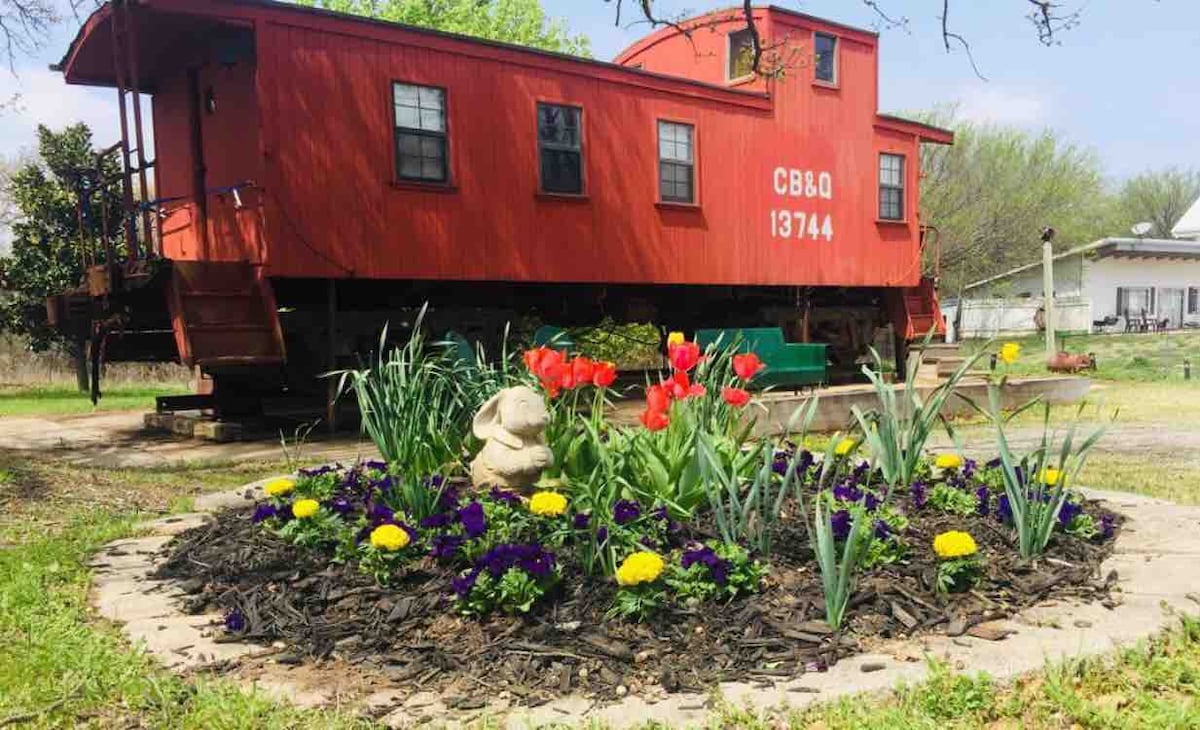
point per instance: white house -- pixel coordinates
(1110, 281)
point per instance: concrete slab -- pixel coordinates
(1156, 559)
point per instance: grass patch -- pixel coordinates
(59, 669)
(1149, 357)
(1151, 685)
(30, 400)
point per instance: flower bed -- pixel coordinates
(675, 554)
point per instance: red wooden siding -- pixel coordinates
(312, 126)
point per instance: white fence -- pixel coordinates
(1014, 317)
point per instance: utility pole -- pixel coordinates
(1048, 289)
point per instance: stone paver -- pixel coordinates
(1157, 559)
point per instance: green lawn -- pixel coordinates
(1133, 357)
(30, 400)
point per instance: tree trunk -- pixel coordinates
(77, 350)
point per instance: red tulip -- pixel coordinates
(567, 381)
(658, 398)
(605, 374)
(684, 356)
(680, 386)
(582, 369)
(655, 420)
(736, 397)
(747, 365)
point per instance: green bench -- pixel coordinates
(789, 364)
(554, 337)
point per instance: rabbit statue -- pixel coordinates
(512, 425)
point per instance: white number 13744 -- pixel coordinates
(799, 224)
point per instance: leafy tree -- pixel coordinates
(990, 193)
(523, 22)
(1159, 198)
(46, 256)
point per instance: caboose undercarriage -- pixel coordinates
(256, 340)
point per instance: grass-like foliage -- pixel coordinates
(1036, 484)
(838, 565)
(897, 429)
(747, 509)
(417, 401)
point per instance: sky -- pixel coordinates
(1125, 82)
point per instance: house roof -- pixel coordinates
(1189, 225)
(1131, 248)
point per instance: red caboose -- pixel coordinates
(315, 174)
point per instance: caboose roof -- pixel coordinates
(160, 32)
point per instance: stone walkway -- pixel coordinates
(1156, 558)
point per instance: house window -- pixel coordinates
(1134, 301)
(1193, 304)
(741, 54)
(676, 163)
(891, 187)
(420, 132)
(560, 148)
(825, 61)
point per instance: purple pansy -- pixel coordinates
(472, 519)
(341, 505)
(1067, 513)
(920, 493)
(445, 546)
(379, 514)
(983, 497)
(871, 502)
(264, 511)
(463, 584)
(718, 569)
(1004, 509)
(882, 530)
(235, 621)
(601, 535)
(504, 496)
(847, 492)
(626, 511)
(1108, 525)
(438, 521)
(582, 520)
(840, 521)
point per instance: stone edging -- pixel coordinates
(1155, 557)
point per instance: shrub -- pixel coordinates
(417, 403)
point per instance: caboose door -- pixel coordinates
(229, 148)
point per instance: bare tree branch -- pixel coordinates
(949, 35)
(24, 26)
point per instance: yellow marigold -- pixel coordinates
(1050, 476)
(548, 504)
(279, 487)
(845, 447)
(948, 461)
(675, 338)
(1009, 352)
(954, 544)
(305, 508)
(390, 538)
(642, 567)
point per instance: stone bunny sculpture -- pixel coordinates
(512, 425)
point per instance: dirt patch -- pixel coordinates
(411, 634)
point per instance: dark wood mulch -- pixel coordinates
(411, 632)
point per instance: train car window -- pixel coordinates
(420, 132)
(825, 61)
(741, 54)
(676, 162)
(891, 187)
(560, 148)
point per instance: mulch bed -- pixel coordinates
(411, 632)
